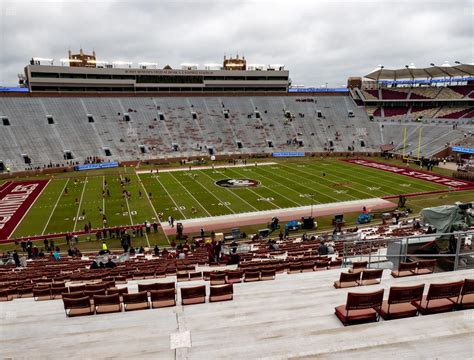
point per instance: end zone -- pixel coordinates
(15, 200)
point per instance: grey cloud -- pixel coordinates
(318, 41)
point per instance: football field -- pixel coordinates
(67, 204)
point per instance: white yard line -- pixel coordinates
(153, 208)
(103, 195)
(260, 196)
(207, 167)
(233, 193)
(80, 203)
(128, 206)
(167, 193)
(219, 200)
(309, 176)
(55, 206)
(276, 182)
(293, 190)
(184, 187)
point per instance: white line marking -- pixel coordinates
(233, 193)
(55, 205)
(222, 202)
(293, 190)
(80, 203)
(103, 195)
(179, 182)
(174, 202)
(153, 208)
(128, 206)
(263, 186)
(26, 212)
(206, 167)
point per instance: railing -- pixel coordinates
(390, 252)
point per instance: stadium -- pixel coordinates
(220, 211)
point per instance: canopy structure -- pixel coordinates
(411, 72)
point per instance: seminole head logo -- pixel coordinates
(237, 183)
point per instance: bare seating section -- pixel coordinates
(406, 301)
(156, 295)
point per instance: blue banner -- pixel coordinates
(96, 166)
(462, 149)
(316, 90)
(428, 81)
(14, 89)
(288, 154)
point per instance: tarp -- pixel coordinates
(444, 218)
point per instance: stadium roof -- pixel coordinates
(412, 72)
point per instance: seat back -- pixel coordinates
(444, 291)
(407, 266)
(268, 273)
(146, 287)
(79, 303)
(356, 265)
(234, 275)
(182, 276)
(217, 277)
(76, 288)
(91, 293)
(119, 291)
(193, 292)
(468, 287)
(349, 277)
(73, 295)
(135, 298)
(221, 290)
(161, 295)
(164, 286)
(113, 299)
(371, 274)
(405, 294)
(358, 301)
(95, 287)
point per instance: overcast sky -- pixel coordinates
(318, 41)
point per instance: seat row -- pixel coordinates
(406, 301)
(420, 267)
(52, 291)
(118, 300)
(362, 278)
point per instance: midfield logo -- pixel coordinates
(237, 183)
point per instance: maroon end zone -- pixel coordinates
(417, 174)
(16, 199)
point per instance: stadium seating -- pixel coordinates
(221, 293)
(440, 298)
(358, 266)
(107, 303)
(466, 298)
(193, 295)
(136, 301)
(210, 129)
(78, 307)
(360, 308)
(370, 277)
(163, 298)
(400, 302)
(347, 280)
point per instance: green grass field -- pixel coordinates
(194, 194)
